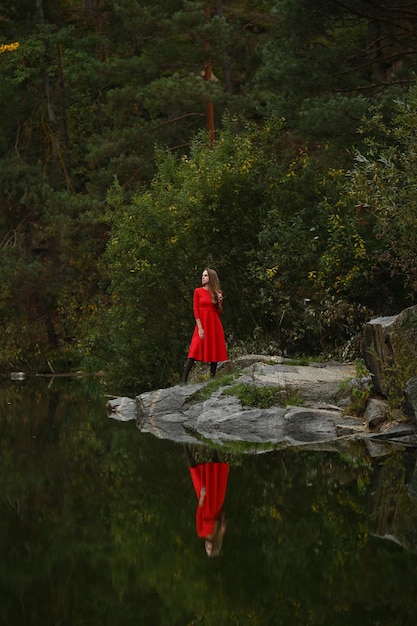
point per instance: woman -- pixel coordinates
(210, 485)
(207, 343)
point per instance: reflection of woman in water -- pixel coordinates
(210, 483)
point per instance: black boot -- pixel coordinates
(213, 367)
(187, 369)
(189, 456)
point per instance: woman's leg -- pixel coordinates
(187, 369)
(213, 368)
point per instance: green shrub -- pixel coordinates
(264, 397)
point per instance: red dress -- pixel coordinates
(213, 347)
(212, 476)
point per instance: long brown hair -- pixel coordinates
(214, 287)
(216, 538)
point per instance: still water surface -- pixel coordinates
(97, 524)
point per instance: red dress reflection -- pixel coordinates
(210, 484)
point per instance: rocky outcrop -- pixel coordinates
(186, 414)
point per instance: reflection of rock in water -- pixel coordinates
(380, 504)
(122, 409)
(392, 502)
(412, 487)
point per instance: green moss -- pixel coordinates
(264, 397)
(207, 391)
(249, 447)
(304, 360)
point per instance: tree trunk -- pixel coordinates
(227, 66)
(208, 75)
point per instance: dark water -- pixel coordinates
(97, 526)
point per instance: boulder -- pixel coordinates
(411, 396)
(376, 412)
(388, 343)
(222, 418)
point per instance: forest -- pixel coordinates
(143, 140)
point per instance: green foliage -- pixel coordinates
(264, 397)
(289, 244)
(397, 376)
(304, 361)
(200, 210)
(359, 390)
(383, 184)
(84, 100)
(301, 261)
(305, 253)
(326, 63)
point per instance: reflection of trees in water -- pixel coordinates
(105, 531)
(306, 536)
(392, 500)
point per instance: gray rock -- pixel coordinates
(376, 412)
(223, 419)
(316, 383)
(377, 449)
(122, 409)
(411, 396)
(17, 376)
(412, 487)
(378, 351)
(404, 435)
(179, 413)
(347, 430)
(385, 338)
(182, 414)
